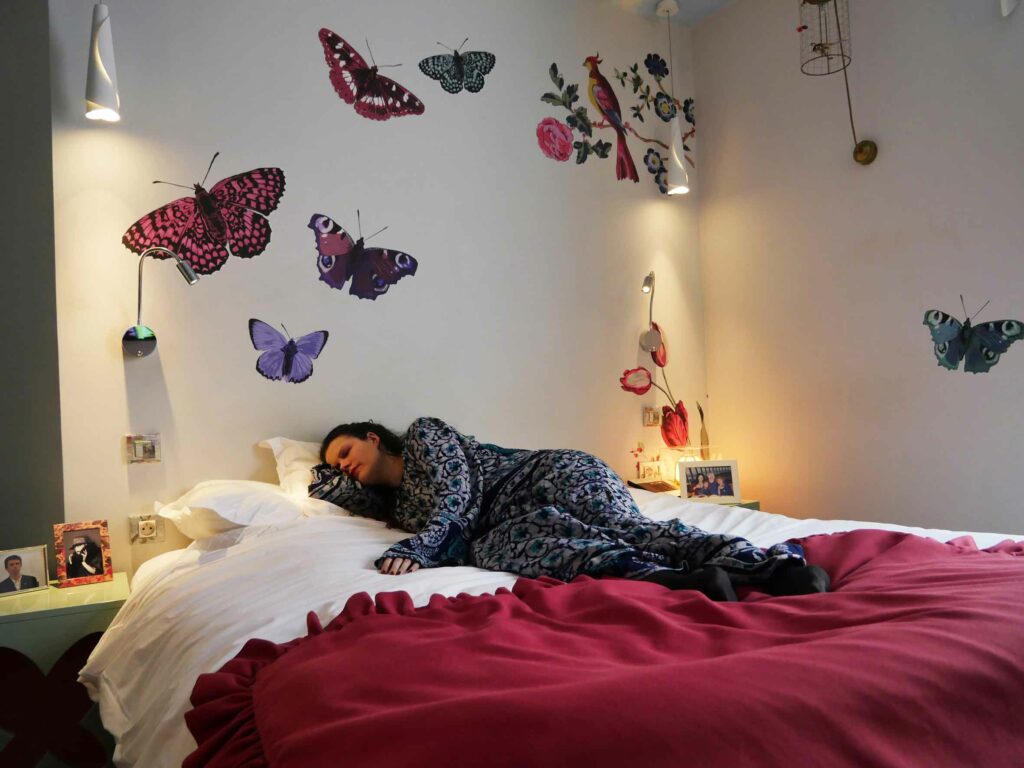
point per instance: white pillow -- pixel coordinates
(215, 506)
(295, 462)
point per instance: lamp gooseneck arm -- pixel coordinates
(183, 266)
(138, 314)
(650, 310)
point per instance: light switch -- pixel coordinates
(142, 449)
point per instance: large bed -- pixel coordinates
(192, 611)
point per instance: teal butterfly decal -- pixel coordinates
(456, 70)
(979, 346)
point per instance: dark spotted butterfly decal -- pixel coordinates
(340, 258)
(456, 70)
(202, 229)
(979, 346)
(373, 96)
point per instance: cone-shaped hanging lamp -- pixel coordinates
(102, 101)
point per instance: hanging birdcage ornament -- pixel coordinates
(825, 49)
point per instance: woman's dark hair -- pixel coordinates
(390, 442)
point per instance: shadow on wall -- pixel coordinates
(150, 411)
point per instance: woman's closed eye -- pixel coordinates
(341, 457)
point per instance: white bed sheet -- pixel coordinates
(191, 610)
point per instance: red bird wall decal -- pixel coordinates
(603, 98)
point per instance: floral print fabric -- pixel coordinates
(557, 513)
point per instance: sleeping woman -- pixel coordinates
(559, 513)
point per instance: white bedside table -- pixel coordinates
(746, 504)
(43, 624)
(754, 504)
(45, 638)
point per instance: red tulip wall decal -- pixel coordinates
(675, 422)
(637, 380)
(660, 355)
(675, 425)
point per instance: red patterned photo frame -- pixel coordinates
(64, 559)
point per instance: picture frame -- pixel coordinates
(698, 477)
(27, 570)
(83, 553)
(648, 471)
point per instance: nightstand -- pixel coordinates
(45, 638)
(43, 624)
(746, 504)
(754, 504)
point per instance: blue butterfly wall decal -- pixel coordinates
(456, 70)
(979, 346)
(283, 358)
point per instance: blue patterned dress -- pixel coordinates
(557, 513)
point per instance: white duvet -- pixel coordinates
(191, 610)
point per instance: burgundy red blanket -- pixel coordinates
(915, 659)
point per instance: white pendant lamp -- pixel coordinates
(677, 179)
(102, 101)
(1008, 6)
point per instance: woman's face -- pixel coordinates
(359, 459)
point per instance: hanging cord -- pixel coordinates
(671, 59)
(842, 53)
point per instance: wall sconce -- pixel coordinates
(139, 340)
(102, 101)
(650, 339)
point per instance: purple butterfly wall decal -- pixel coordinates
(372, 270)
(372, 95)
(284, 358)
(203, 228)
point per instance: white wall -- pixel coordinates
(818, 271)
(526, 308)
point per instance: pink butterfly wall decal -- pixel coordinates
(374, 96)
(205, 227)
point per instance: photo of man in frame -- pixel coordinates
(84, 556)
(24, 570)
(16, 581)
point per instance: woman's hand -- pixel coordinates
(396, 566)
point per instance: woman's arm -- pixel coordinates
(433, 446)
(335, 486)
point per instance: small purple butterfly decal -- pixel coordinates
(284, 358)
(372, 270)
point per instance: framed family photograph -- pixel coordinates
(83, 553)
(25, 570)
(710, 480)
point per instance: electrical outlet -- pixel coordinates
(146, 529)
